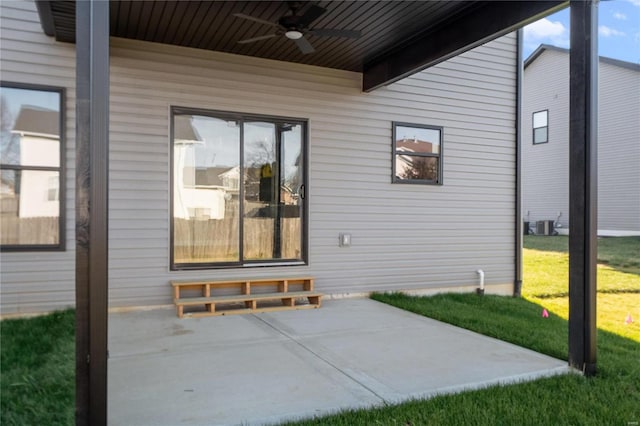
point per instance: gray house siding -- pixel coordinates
(39, 281)
(404, 237)
(619, 149)
(546, 166)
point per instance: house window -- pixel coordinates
(31, 167)
(417, 154)
(238, 195)
(541, 127)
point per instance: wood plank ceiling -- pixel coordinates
(384, 25)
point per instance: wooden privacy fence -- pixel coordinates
(214, 240)
(29, 230)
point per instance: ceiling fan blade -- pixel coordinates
(332, 32)
(251, 40)
(304, 45)
(313, 12)
(251, 18)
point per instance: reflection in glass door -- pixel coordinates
(272, 196)
(206, 171)
(291, 191)
(259, 190)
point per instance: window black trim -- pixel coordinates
(533, 128)
(62, 170)
(241, 118)
(439, 156)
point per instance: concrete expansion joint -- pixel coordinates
(382, 399)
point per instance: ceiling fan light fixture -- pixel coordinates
(293, 35)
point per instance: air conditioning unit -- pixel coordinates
(544, 227)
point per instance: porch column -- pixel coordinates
(92, 151)
(583, 201)
(517, 284)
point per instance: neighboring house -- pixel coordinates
(337, 148)
(545, 141)
(195, 194)
(39, 144)
(422, 166)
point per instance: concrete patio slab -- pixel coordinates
(267, 368)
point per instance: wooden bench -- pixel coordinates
(287, 291)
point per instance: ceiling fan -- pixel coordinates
(295, 26)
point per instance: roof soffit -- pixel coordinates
(393, 32)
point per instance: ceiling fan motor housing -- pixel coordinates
(290, 22)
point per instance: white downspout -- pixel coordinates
(480, 290)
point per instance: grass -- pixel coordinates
(621, 253)
(546, 275)
(38, 370)
(37, 361)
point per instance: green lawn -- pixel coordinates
(37, 365)
(546, 275)
(621, 253)
(37, 361)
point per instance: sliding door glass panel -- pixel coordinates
(206, 189)
(260, 191)
(291, 191)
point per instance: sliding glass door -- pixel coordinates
(238, 190)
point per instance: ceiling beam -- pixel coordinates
(46, 17)
(483, 21)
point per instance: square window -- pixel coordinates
(417, 154)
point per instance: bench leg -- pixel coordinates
(180, 311)
(314, 300)
(308, 285)
(289, 301)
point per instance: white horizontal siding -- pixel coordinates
(404, 236)
(619, 149)
(39, 281)
(546, 166)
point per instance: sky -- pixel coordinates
(618, 30)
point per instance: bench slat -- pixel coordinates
(248, 311)
(245, 297)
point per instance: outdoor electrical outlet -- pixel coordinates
(344, 240)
